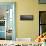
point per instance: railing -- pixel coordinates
(13, 43)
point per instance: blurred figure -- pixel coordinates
(41, 38)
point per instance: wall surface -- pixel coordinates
(27, 29)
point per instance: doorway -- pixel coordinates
(7, 21)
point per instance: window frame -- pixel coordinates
(39, 22)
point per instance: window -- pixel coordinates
(42, 22)
(7, 21)
(42, 1)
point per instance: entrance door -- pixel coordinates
(7, 15)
